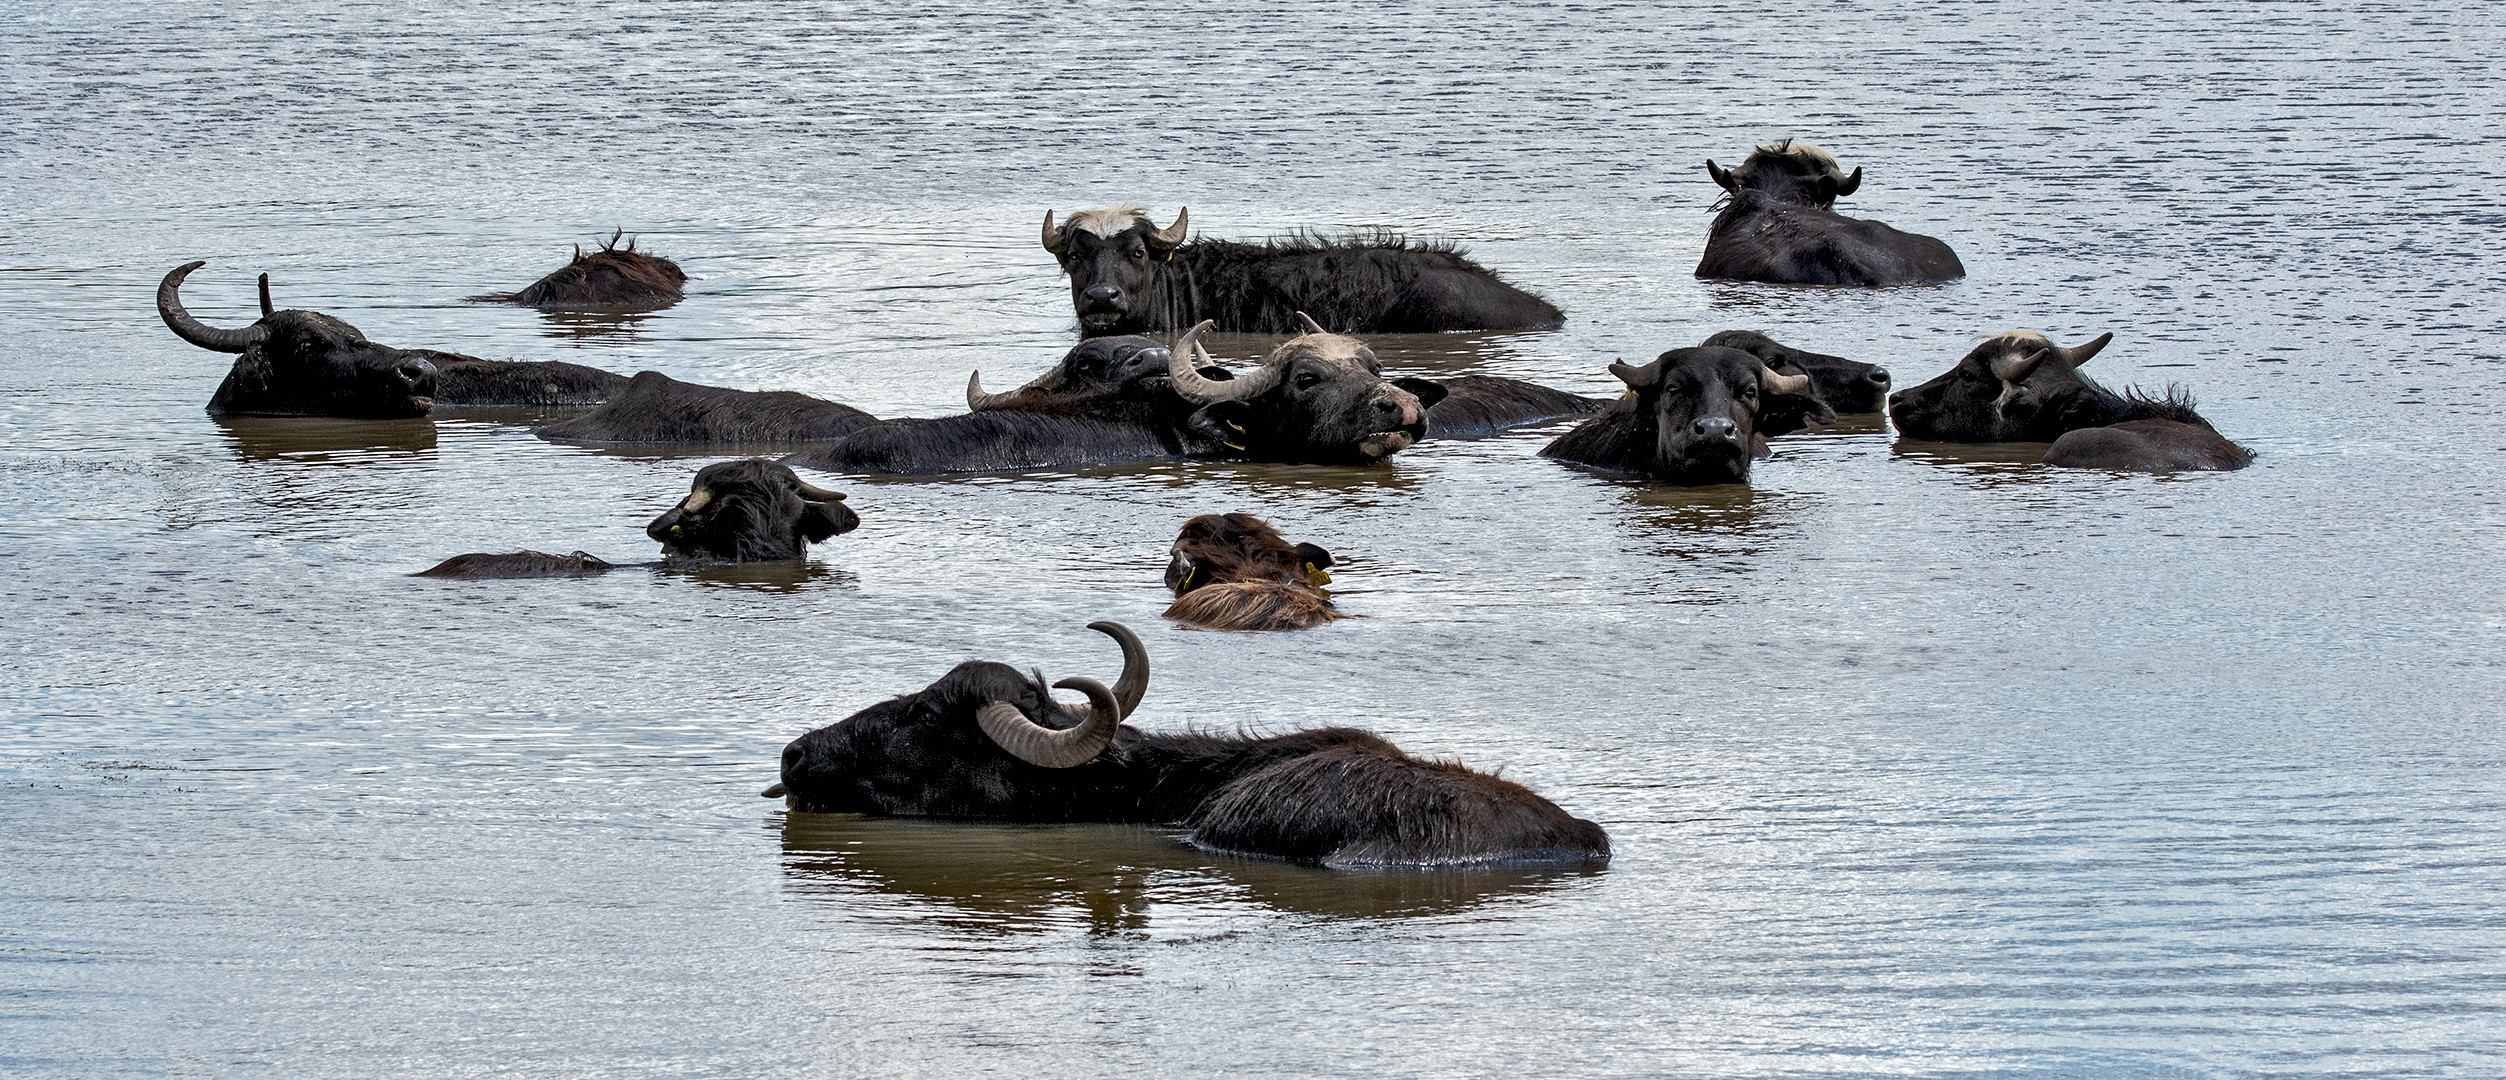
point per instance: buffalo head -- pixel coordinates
(2012, 388)
(1788, 172)
(1099, 367)
(752, 510)
(1319, 397)
(1705, 406)
(303, 363)
(1113, 257)
(1847, 386)
(973, 744)
(1235, 572)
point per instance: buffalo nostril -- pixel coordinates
(1879, 376)
(1101, 293)
(1713, 427)
(413, 374)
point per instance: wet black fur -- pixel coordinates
(1847, 386)
(655, 408)
(1477, 405)
(1781, 227)
(310, 364)
(1629, 437)
(755, 513)
(1365, 283)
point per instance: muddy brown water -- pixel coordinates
(1919, 759)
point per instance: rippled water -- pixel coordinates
(1919, 759)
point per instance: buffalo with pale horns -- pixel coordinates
(1693, 416)
(2018, 386)
(988, 743)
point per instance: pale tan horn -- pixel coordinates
(1044, 747)
(2012, 369)
(1134, 683)
(1311, 326)
(814, 493)
(1172, 235)
(2079, 354)
(977, 400)
(1199, 390)
(1772, 383)
(1054, 239)
(696, 500)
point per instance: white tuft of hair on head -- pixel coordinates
(1111, 222)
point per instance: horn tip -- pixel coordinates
(776, 791)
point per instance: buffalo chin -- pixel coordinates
(1384, 444)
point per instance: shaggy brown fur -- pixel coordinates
(613, 277)
(1235, 572)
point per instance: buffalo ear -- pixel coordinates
(1310, 553)
(821, 521)
(1823, 189)
(1428, 391)
(1722, 176)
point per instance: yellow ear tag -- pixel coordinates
(1628, 396)
(1316, 575)
(1185, 586)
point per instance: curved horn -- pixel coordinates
(1203, 391)
(1849, 184)
(977, 400)
(1044, 747)
(2013, 369)
(1773, 383)
(696, 500)
(814, 493)
(776, 791)
(265, 296)
(2079, 354)
(1311, 326)
(1134, 682)
(1054, 239)
(1637, 378)
(1172, 235)
(170, 308)
(1722, 177)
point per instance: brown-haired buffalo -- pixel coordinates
(2018, 386)
(1128, 276)
(305, 363)
(1693, 416)
(1781, 226)
(1847, 386)
(986, 742)
(612, 278)
(1235, 572)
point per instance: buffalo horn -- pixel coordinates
(696, 500)
(1773, 383)
(1134, 683)
(775, 791)
(1311, 326)
(1044, 747)
(1198, 390)
(2012, 369)
(1722, 177)
(977, 400)
(2079, 354)
(1054, 239)
(1171, 235)
(1638, 378)
(1849, 184)
(814, 493)
(265, 296)
(170, 308)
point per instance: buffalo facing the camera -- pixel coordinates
(986, 742)
(611, 278)
(1235, 572)
(1781, 226)
(1693, 416)
(1129, 276)
(2019, 386)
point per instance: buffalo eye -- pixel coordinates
(1306, 380)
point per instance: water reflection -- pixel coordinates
(1712, 538)
(1984, 464)
(1003, 878)
(314, 440)
(788, 576)
(596, 327)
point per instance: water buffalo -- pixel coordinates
(1126, 378)
(1847, 386)
(2019, 386)
(1780, 225)
(1318, 398)
(1693, 416)
(1127, 276)
(304, 363)
(736, 511)
(655, 408)
(1235, 572)
(611, 279)
(985, 742)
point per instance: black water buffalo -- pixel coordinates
(304, 363)
(1694, 416)
(1127, 276)
(612, 278)
(985, 742)
(1235, 572)
(1847, 386)
(1125, 378)
(751, 510)
(1318, 398)
(2019, 386)
(1781, 226)
(655, 408)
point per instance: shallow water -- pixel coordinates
(1918, 759)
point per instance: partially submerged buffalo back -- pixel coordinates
(655, 408)
(611, 278)
(1235, 572)
(518, 564)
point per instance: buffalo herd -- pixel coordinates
(986, 742)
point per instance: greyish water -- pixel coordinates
(1919, 760)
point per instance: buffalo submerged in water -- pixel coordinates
(1128, 276)
(752, 510)
(611, 278)
(2018, 386)
(1781, 226)
(305, 363)
(1235, 572)
(988, 743)
(1693, 416)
